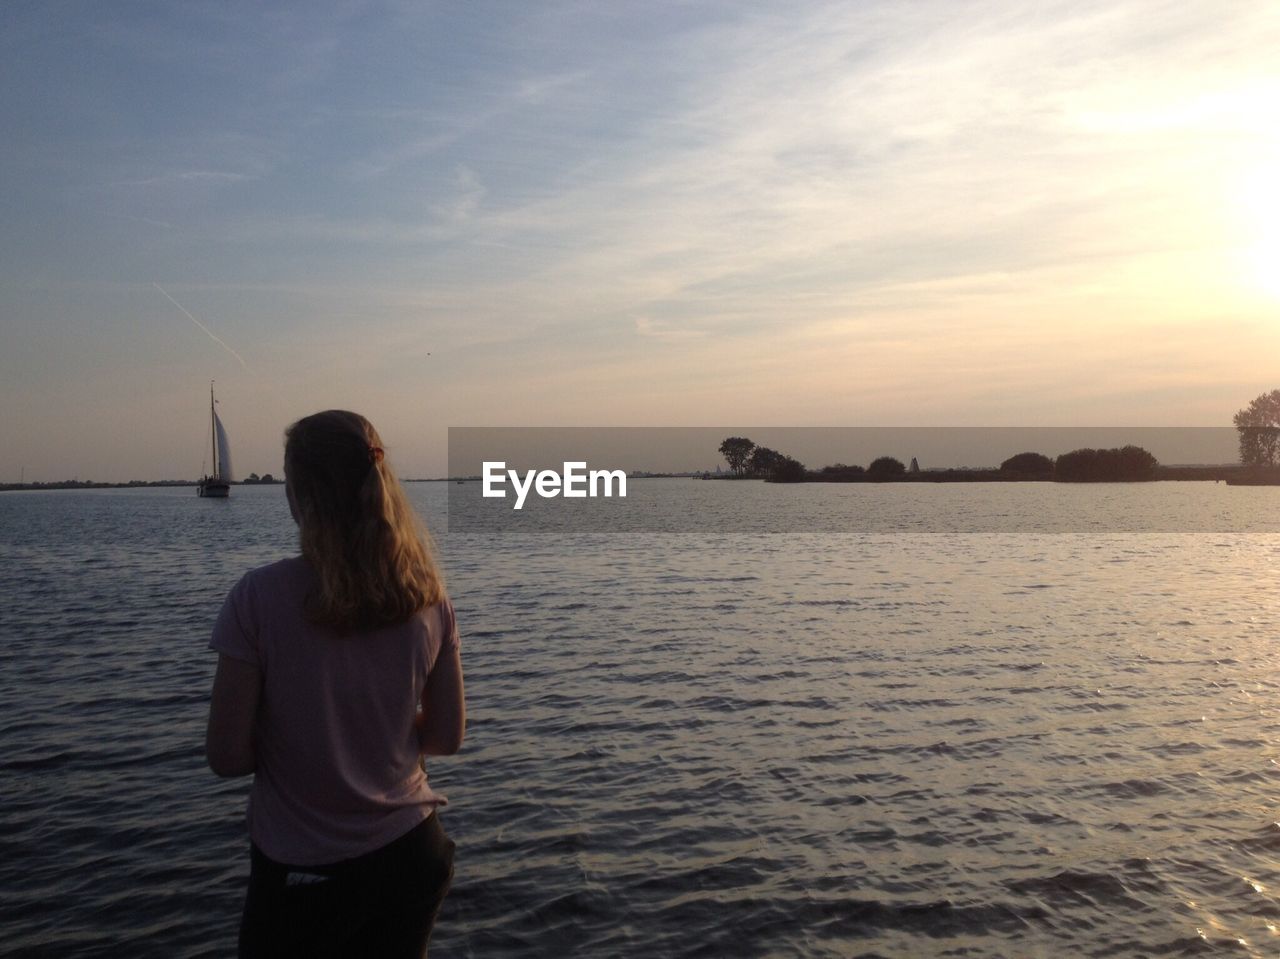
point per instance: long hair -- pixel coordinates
(367, 545)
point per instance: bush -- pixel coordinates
(886, 467)
(787, 470)
(1032, 464)
(1125, 465)
(840, 473)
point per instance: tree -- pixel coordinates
(1259, 428)
(1034, 464)
(1135, 463)
(1078, 466)
(763, 461)
(787, 470)
(841, 473)
(1128, 464)
(774, 467)
(886, 467)
(735, 451)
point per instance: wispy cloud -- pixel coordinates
(813, 146)
(646, 326)
(188, 176)
(410, 135)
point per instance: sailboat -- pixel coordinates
(217, 483)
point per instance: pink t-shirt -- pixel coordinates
(338, 771)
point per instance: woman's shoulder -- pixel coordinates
(282, 574)
(441, 611)
(442, 622)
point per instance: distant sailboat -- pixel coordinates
(217, 483)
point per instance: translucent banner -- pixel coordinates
(856, 479)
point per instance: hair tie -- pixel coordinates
(375, 454)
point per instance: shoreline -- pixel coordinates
(130, 484)
(1176, 474)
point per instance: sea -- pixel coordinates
(978, 720)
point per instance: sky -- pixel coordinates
(740, 213)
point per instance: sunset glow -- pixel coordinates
(1260, 203)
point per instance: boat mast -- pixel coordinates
(213, 431)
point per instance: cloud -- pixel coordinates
(464, 199)
(812, 146)
(410, 135)
(188, 176)
(824, 168)
(646, 326)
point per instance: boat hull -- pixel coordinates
(215, 489)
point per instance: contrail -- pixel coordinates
(212, 336)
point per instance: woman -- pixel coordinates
(338, 670)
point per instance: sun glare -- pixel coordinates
(1259, 204)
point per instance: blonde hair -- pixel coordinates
(368, 547)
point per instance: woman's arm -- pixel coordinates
(443, 720)
(228, 743)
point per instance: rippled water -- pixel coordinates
(858, 743)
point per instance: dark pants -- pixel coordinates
(380, 905)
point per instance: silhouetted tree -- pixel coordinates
(735, 451)
(1077, 466)
(763, 461)
(1135, 463)
(1034, 464)
(886, 467)
(787, 470)
(840, 473)
(1127, 464)
(1259, 428)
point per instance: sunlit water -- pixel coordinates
(891, 740)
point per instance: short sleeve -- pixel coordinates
(449, 639)
(235, 632)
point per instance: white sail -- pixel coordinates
(224, 452)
